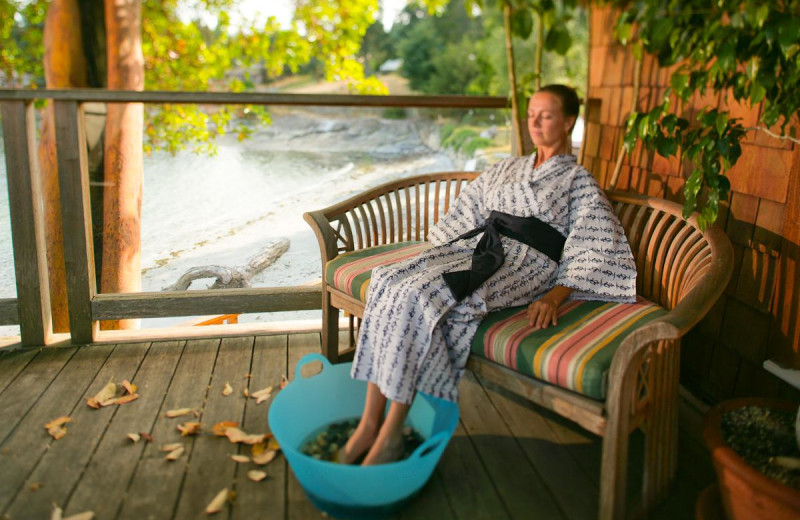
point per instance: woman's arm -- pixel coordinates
(544, 312)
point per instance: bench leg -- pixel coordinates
(661, 430)
(330, 329)
(614, 465)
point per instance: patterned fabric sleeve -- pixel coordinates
(597, 262)
(467, 212)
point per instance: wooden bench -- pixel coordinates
(680, 269)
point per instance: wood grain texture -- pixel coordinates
(76, 219)
(27, 224)
(502, 437)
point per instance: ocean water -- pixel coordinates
(220, 210)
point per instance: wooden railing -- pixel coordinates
(31, 308)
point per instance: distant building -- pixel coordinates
(390, 66)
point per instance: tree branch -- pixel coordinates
(773, 134)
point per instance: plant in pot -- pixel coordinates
(755, 448)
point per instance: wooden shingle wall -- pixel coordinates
(758, 318)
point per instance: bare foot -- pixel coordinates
(358, 443)
(385, 450)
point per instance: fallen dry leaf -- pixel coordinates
(262, 395)
(86, 515)
(272, 444)
(220, 428)
(247, 376)
(121, 400)
(58, 514)
(179, 412)
(171, 446)
(216, 505)
(134, 437)
(227, 390)
(246, 392)
(130, 387)
(265, 457)
(236, 435)
(256, 475)
(190, 428)
(175, 454)
(56, 427)
(284, 381)
(98, 400)
(36, 486)
(240, 458)
(146, 436)
(112, 393)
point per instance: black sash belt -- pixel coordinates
(489, 255)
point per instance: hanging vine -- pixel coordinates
(746, 51)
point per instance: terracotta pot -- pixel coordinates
(747, 493)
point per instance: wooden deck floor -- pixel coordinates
(508, 458)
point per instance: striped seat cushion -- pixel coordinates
(576, 354)
(350, 272)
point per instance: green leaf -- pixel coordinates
(623, 32)
(680, 84)
(761, 14)
(666, 146)
(757, 93)
(558, 40)
(659, 32)
(637, 50)
(522, 23)
(721, 122)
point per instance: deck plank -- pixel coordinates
(24, 447)
(211, 468)
(297, 504)
(265, 499)
(522, 490)
(12, 364)
(466, 483)
(23, 393)
(105, 481)
(60, 469)
(576, 494)
(508, 457)
(156, 484)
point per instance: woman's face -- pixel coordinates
(546, 122)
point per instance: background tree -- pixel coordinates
(82, 46)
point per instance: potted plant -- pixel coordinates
(755, 448)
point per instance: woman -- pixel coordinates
(489, 253)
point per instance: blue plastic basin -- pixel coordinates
(307, 405)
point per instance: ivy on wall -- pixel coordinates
(747, 50)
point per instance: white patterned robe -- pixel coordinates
(416, 337)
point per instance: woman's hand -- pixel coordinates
(544, 312)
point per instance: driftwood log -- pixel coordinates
(236, 277)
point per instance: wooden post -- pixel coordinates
(27, 223)
(73, 175)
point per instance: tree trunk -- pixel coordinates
(122, 201)
(64, 67)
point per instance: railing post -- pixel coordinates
(73, 178)
(27, 223)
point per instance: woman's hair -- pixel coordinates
(570, 102)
